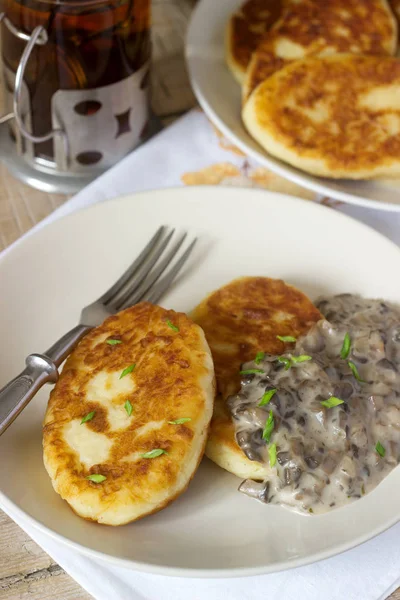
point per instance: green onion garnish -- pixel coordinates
(355, 372)
(128, 407)
(288, 362)
(380, 449)
(267, 397)
(259, 357)
(154, 453)
(251, 371)
(171, 325)
(286, 338)
(331, 402)
(345, 351)
(285, 361)
(269, 427)
(88, 417)
(113, 342)
(127, 371)
(180, 421)
(97, 478)
(301, 358)
(272, 454)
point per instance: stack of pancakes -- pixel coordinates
(320, 83)
(239, 320)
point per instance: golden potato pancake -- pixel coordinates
(245, 30)
(127, 422)
(334, 116)
(312, 27)
(240, 319)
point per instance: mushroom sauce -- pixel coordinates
(329, 420)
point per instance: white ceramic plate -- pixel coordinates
(220, 97)
(212, 530)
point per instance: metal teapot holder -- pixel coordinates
(92, 129)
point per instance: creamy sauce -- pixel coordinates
(326, 457)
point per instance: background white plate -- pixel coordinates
(220, 97)
(212, 530)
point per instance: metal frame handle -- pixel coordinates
(36, 34)
(19, 77)
(40, 40)
(37, 37)
(21, 34)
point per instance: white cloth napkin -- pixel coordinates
(191, 152)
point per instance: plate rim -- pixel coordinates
(183, 572)
(11, 508)
(263, 158)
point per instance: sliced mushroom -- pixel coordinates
(255, 489)
(246, 443)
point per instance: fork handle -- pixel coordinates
(19, 391)
(40, 369)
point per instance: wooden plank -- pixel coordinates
(171, 91)
(18, 553)
(48, 584)
(26, 571)
(21, 207)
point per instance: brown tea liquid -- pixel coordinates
(90, 44)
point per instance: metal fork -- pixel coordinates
(142, 281)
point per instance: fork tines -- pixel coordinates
(164, 255)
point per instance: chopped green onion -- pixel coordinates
(310, 510)
(128, 407)
(286, 338)
(272, 455)
(269, 427)
(171, 325)
(380, 449)
(154, 453)
(331, 402)
(251, 371)
(301, 358)
(354, 370)
(88, 417)
(97, 478)
(259, 357)
(285, 361)
(127, 371)
(180, 421)
(288, 362)
(113, 342)
(345, 351)
(267, 397)
(362, 490)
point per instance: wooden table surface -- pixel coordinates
(26, 572)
